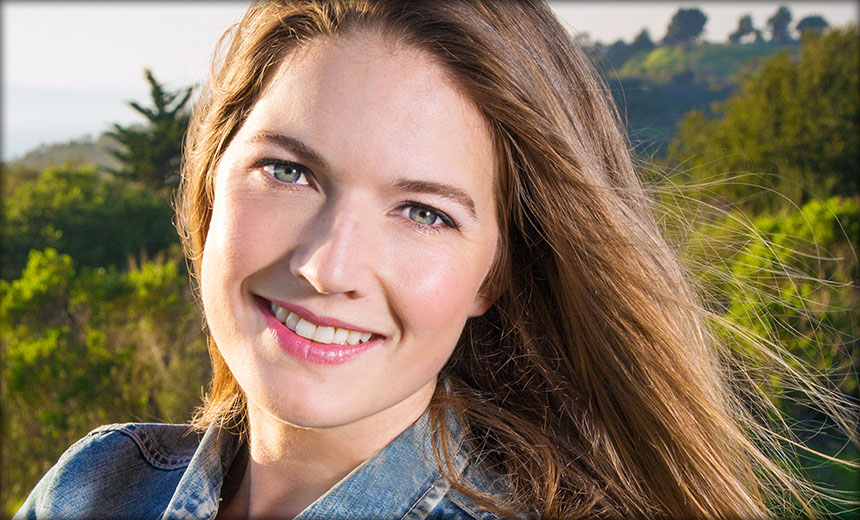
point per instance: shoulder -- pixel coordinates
(115, 470)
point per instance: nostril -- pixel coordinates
(329, 272)
(325, 256)
(314, 280)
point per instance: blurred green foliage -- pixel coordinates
(806, 259)
(770, 179)
(794, 281)
(791, 277)
(792, 129)
(92, 346)
(92, 216)
(98, 323)
(715, 64)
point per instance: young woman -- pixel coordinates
(433, 287)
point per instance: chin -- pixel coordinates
(306, 412)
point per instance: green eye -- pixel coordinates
(423, 216)
(291, 173)
(427, 217)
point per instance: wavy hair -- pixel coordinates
(594, 383)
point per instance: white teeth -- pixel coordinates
(340, 335)
(318, 333)
(305, 329)
(324, 334)
(354, 338)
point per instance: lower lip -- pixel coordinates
(303, 348)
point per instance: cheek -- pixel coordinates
(437, 288)
(244, 231)
(238, 243)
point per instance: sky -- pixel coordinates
(69, 68)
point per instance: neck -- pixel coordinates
(289, 466)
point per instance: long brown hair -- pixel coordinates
(594, 383)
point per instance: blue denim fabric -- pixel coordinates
(167, 471)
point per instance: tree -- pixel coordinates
(779, 26)
(97, 219)
(617, 54)
(802, 264)
(152, 153)
(686, 25)
(814, 23)
(642, 42)
(745, 28)
(791, 128)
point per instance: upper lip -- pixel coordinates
(315, 319)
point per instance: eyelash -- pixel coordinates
(304, 172)
(447, 222)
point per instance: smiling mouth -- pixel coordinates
(318, 333)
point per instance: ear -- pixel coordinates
(491, 289)
(480, 304)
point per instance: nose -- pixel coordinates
(332, 250)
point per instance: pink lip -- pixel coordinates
(308, 350)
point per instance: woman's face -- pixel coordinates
(358, 199)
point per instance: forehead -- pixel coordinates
(367, 98)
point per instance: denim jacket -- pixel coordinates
(167, 471)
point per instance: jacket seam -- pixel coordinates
(435, 485)
(485, 515)
(148, 447)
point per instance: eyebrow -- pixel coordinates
(293, 145)
(438, 188)
(307, 153)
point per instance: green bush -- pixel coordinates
(93, 217)
(791, 278)
(788, 136)
(89, 347)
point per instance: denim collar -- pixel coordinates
(198, 493)
(400, 481)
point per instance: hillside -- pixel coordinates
(718, 65)
(654, 89)
(652, 110)
(82, 150)
(76, 152)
